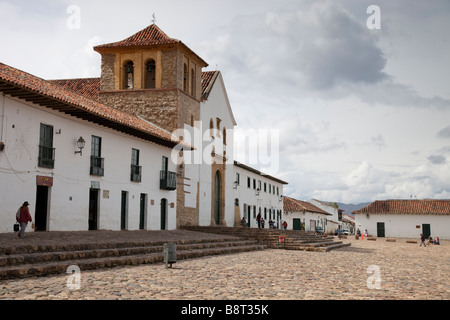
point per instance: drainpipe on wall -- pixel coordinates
(2, 144)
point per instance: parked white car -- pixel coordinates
(344, 232)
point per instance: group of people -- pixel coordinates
(430, 240)
(358, 232)
(23, 217)
(262, 223)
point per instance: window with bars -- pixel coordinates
(136, 169)
(46, 151)
(168, 180)
(97, 162)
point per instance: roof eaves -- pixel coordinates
(22, 85)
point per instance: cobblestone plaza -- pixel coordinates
(367, 270)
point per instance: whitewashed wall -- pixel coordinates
(404, 226)
(325, 207)
(217, 106)
(247, 197)
(69, 196)
(306, 218)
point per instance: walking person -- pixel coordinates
(422, 240)
(258, 218)
(23, 217)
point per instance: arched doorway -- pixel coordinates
(217, 198)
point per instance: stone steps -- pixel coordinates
(318, 246)
(293, 240)
(32, 261)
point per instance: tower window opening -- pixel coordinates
(185, 78)
(129, 75)
(192, 83)
(150, 74)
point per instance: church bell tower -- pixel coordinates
(153, 76)
(158, 78)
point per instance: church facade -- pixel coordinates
(155, 133)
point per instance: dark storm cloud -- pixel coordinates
(437, 159)
(444, 133)
(316, 47)
(340, 49)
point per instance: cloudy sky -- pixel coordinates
(362, 114)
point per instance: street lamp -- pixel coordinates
(80, 144)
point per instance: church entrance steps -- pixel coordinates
(31, 260)
(278, 239)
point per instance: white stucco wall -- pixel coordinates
(216, 106)
(265, 200)
(69, 195)
(404, 226)
(325, 207)
(306, 218)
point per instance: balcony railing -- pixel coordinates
(136, 173)
(97, 166)
(168, 180)
(46, 157)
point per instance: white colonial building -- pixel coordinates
(80, 164)
(334, 220)
(227, 190)
(405, 218)
(302, 215)
(216, 169)
(115, 152)
(257, 193)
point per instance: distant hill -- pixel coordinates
(348, 208)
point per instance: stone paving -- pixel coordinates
(406, 272)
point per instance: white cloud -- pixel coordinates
(338, 93)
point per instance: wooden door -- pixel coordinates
(380, 229)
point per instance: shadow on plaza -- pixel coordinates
(355, 249)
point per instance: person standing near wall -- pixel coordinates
(23, 217)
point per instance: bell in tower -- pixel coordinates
(129, 77)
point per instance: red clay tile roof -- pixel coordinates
(293, 205)
(152, 35)
(89, 87)
(208, 79)
(428, 206)
(23, 85)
